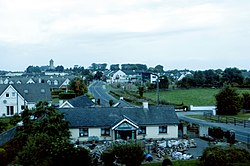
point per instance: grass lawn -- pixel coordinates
(196, 97)
(176, 163)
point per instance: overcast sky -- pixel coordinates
(178, 34)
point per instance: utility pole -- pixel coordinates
(158, 97)
(157, 87)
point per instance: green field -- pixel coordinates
(196, 97)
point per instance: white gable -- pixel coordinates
(30, 81)
(125, 122)
(66, 104)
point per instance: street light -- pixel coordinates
(157, 84)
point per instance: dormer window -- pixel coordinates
(7, 95)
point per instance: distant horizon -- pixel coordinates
(108, 67)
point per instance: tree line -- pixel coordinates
(215, 78)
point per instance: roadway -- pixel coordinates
(241, 134)
(99, 91)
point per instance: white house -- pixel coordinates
(109, 123)
(120, 77)
(15, 97)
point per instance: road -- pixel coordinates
(241, 134)
(99, 91)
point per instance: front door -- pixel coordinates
(128, 134)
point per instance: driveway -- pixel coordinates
(241, 134)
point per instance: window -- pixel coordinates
(10, 110)
(22, 107)
(13, 94)
(83, 132)
(7, 95)
(142, 130)
(163, 129)
(105, 131)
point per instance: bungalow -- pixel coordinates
(15, 97)
(109, 123)
(79, 101)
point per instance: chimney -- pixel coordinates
(145, 105)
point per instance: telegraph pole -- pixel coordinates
(157, 89)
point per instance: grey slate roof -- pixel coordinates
(31, 92)
(109, 116)
(81, 101)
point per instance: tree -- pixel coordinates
(98, 75)
(114, 67)
(199, 78)
(111, 102)
(46, 140)
(232, 76)
(159, 68)
(78, 86)
(141, 91)
(186, 82)
(228, 101)
(246, 101)
(163, 83)
(59, 68)
(33, 69)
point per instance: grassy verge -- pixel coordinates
(176, 163)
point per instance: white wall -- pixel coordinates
(153, 132)
(14, 99)
(92, 132)
(202, 108)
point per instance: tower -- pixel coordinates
(51, 64)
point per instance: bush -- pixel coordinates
(227, 156)
(130, 154)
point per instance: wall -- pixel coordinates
(153, 132)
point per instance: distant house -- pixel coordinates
(15, 97)
(54, 81)
(109, 123)
(184, 74)
(80, 101)
(119, 76)
(126, 76)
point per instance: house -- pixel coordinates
(80, 101)
(119, 76)
(15, 97)
(126, 76)
(109, 123)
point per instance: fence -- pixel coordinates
(226, 119)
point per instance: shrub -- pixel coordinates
(218, 156)
(130, 154)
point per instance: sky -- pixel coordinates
(177, 34)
